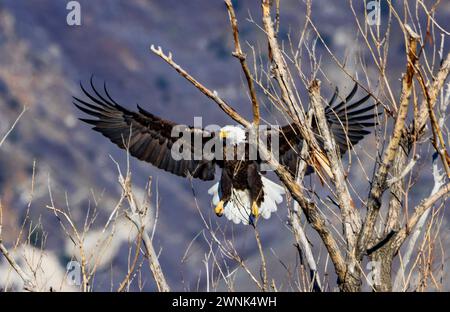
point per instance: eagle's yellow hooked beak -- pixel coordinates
(223, 134)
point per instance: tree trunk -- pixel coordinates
(352, 282)
(381, 274)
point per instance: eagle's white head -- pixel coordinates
(234, 135)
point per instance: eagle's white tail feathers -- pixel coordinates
(238, 207)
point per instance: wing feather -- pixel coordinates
(348, 122)
(147, 136)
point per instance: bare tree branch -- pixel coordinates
(242, 59)
(379, 182)
(24, 109)
(137, 216)
(211, 94)
(350, 216)
(438, 183)
(29, 283)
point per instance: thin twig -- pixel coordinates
(29, 283)
(211, 94)
(242, 59)
(24, 109)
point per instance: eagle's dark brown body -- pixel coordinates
(242, 175)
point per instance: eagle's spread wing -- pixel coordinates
(146, 136)
(348, 122)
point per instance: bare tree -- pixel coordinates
(377, 236)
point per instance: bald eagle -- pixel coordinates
(242, 193)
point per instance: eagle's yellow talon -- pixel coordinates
(219, 209)
(255, 209)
